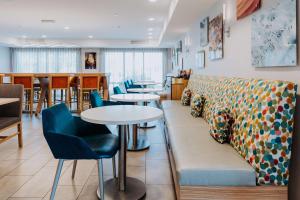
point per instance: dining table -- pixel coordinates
(136, 143)
(145, 84)
(123, 188)
(145, 90)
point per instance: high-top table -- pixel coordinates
(4, 101)
(124, 115)
(136, 143)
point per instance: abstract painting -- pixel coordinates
(246, 7)
(204, 32)
(274, 34)
(215, 51)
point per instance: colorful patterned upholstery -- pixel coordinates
(263, 113)
(221, 125)
(197, 105)
(186, 97)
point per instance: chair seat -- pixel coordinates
(7, 121)
(104, 145)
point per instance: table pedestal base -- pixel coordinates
(135, 190)
(142, 144)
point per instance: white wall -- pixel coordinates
(237, 52)
(4, 59)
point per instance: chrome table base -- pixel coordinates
(135, 189)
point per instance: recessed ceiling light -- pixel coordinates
(51, 21)
(150, 33)
(151, 19)
(67, 28)
(152, 1)
(44, 36)
(116, 15)
(150, 29)
(91, 37)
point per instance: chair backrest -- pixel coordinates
(96, 100)
(89, 81)
(58, 119)
(126, 85)
(11, 91)
(60, 132)
(130, 82)
(60, 81)
(24, 79)
(117, 90)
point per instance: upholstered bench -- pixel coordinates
(202, 168)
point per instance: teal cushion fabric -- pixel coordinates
(96, 100)
(117, 90)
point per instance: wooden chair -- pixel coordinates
(27, 80)
(88, 83)
(11, 114)
(59, 82)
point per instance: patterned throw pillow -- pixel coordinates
(197, 105)
(186, 97)
(220, 126)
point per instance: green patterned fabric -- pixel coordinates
(186, 97)
(263, 114)
(197, 105)
(221, 126)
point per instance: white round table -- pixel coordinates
(145, 83)
(145, 90)
(136, 143)
(123, 116)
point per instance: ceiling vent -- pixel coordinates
(48, 21)
(138, 42)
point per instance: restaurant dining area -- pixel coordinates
(149, 100)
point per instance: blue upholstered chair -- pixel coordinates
(71, 138)
(117, 90)
(97, 101)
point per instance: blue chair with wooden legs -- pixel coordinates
(71, 138)
(117, 90)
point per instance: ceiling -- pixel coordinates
(89, 23)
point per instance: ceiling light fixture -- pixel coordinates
(151, 19)
(91, 37)
(150, 29)
(152, 1)
(44, 36)
(150, 33)
(67, 28)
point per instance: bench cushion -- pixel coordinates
(199, 159)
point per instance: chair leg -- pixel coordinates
(101, 179)
(74, 168)
(114, 166)
(56, 179)
(20, 135)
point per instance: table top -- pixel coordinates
(121, 115)
(4, 101)
(135, 97)
(145, 83)
(145, 90)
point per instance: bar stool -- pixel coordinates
(59, 82)
(88, 83)
(27, 81)
(74, 94)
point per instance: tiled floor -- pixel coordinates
(27, 173)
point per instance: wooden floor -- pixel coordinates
(27, 173)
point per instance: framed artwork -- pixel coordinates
(274, 35)
(215, 51)
(200, 59)
(246, 7)
(204, 32)
(90, 60)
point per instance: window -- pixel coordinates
(134, 64)
(45, 60)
